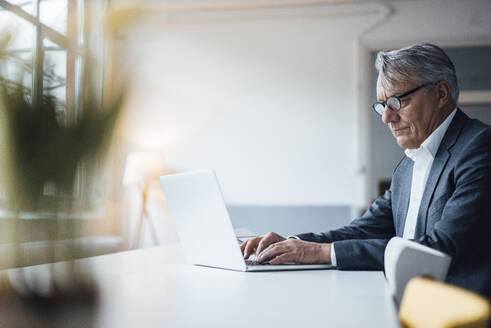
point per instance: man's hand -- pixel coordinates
(258, 244)
(298, 251)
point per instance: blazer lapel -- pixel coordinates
(441, 159)
(435, 173)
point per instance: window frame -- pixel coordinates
(73, 43)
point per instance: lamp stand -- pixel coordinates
(144, 216)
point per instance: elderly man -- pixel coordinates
(440, 195)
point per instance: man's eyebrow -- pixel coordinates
(391, 93)
(383, 99)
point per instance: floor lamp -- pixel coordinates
(143, 168)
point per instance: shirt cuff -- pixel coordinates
(333, 255)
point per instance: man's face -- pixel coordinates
(418, 117)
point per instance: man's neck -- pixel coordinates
(446, 111)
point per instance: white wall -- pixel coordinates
(446, 22)
(267, 97)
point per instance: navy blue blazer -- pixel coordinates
(454, 216)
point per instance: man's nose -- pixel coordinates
(389, 115)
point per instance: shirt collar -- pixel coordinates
(432, 143)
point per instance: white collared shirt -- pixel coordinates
(423, 160)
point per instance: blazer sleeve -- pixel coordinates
(361, 244)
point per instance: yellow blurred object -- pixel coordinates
(429, 303)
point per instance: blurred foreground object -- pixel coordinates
(42, 156)
(38, 150)
(429, 303)
(40, 297)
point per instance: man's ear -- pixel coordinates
(443, 93)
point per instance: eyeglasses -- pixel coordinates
(394, 102)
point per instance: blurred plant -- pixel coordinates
(42, 150)
(37, 148)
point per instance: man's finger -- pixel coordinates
(272, 251)
(243, 246)
(269, 239)
(283, 258)
(251, 245)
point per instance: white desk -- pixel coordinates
(154, 288)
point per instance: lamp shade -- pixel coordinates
(143, 166)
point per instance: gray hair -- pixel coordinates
(419, 64)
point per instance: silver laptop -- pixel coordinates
(203, 225)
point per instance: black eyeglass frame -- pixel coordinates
(398, 98)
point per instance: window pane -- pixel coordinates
(16, 68)
(53, 13)
(26, 5)
(54, 79)
(22, 31)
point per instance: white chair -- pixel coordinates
(406, 259)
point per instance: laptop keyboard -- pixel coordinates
(254, 262)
